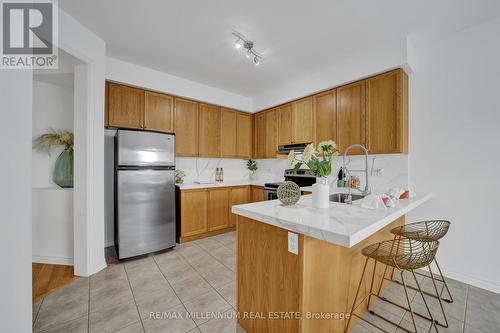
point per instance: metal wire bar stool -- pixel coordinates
(403, 254)
(426, 231)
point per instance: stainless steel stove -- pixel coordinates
(303, 177)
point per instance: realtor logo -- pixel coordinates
(29, 35)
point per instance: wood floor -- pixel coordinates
(47, 278)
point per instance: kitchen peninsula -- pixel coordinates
(298, 267)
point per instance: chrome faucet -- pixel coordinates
(367, 190)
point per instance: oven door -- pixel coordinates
(270, 194)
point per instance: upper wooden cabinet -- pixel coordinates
(244, 135)
(271, 134)
(209, 118)
(159, 112)
(351, 116)
(260, 135)
(325, 116)
(125, 106)
(218, 208)
(302, 121)
(284, 116)
(186, 127)
(387, 113)
(228, 133)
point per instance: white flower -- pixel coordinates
(326, 146)
(291, 157)
(308, 153)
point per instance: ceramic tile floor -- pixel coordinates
(200, 277)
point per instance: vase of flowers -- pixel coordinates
(252, 167)
(63, 168)
(319, 161)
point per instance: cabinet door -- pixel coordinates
(239, 195)
(386, 113)
(158, 112)
(302, 120)
(228, 145)
(325, 116)
(125, 106)
(244, 135)
(351, 116)
(271, 134)
(218, 208)
(284, 115)
(209, 130)
(260, 135)
(186, 127)
(193, 212)
(257, 193)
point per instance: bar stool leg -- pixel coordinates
(408, 301)
(433, 322)
(356, 297)
(439, 299)
(444, 282)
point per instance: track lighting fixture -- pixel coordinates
(248, 46)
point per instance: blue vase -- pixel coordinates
(63, 169)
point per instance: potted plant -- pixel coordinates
(179, 176)
(252, 167)
(63, 169)
(319, 161)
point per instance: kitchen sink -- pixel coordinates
(341, 197)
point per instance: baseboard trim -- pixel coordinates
(52, 260)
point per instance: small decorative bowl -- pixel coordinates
(288, 193)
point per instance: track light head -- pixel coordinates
(256, 61)
(249, 53)
(238, 44)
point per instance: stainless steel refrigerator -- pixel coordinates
(144, 192)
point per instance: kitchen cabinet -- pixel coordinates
(351, 116)
(260, 135)
(228, 133)
(284, 116)
(244, 135)
(257, 193)
(125, 106)
(387, 113)
(193, 212)
(209, 117)
(271, 134)
(302, 121)
(325, 116)
(186, 127)
(239, 195)
(218, 208)
(158, 112)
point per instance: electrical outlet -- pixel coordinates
(293, 243)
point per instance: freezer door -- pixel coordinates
(142, 148)
(146, 211)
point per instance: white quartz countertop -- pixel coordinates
(192, 185)
(341, 224)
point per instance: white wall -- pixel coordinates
(15, 200)
(366, 63)
(52, 108)
(454, 142)
(125, 72)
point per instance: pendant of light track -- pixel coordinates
(242, 41)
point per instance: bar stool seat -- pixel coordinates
(425, 231)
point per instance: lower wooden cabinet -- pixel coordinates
(218, 208)
(239, 195)
(257, 193)
(193, 212)
(207, 212)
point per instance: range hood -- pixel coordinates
(296, 147)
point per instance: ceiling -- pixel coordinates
(192, 39)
